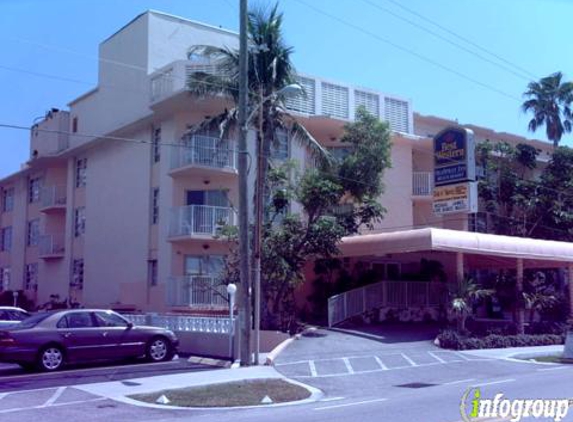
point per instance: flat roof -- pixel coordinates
(444, 240)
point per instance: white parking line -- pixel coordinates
(349, 367)
(494, 382)
(439, 359)
(54, 397)
(463, 357)
(459, 382)
(2, 395)
(382, 366)
(407, 359)
(349, 404)
(312, 368)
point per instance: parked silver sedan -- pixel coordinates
(10, 315)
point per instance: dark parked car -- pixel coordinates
(49, 340)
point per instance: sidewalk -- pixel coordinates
(118, 389)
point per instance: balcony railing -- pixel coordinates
(422, 184)
(321, 98)
(53, 196)
(202, 220)
(197, 291)
(206, 151)
(51, 245)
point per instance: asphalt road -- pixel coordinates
(408, 386)
(13, 378)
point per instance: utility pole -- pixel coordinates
(245, 286)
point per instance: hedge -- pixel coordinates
(450, 339)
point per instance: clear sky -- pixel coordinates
(372, 43)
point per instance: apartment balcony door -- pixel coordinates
(202, 276)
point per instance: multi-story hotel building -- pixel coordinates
(116, 206)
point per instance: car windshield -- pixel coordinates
(33, 320)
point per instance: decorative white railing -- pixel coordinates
(321, 97)
(422, 184)
(202, 220)
(53, 196)
(197, 291)
(51, 245)
(188, 323)
(382, 294)
(205, 151)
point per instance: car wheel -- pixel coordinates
(51, 358)
(159, 349)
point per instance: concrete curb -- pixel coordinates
(315, 395)
(219, 363)
(272, 356)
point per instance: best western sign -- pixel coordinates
(454, 171)
(454, 156)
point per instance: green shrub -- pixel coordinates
(450, 339)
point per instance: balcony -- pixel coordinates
(422, 184)
(197, 291)
(53, 199)
(199, 221)
(202, 155)
(51, 246)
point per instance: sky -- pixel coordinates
(469, 60)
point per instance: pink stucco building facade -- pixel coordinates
(117, 208)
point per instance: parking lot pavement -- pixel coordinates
(355, 365)
(13, 378)
(43, 398)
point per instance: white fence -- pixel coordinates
(53, 196)
(197, 291)
(51, 245)
(382, 294)
(186, 323)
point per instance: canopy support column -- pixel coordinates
(570, 280)
(459, 267)
(519, 297)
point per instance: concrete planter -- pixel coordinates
(568, 350)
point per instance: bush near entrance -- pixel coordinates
(450, 339)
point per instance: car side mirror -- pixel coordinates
(129, 325)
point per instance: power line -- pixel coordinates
(409, 51)
(460, 37)
(455, 44)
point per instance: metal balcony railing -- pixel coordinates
(53, 196)
(197, 291)
(204, 151)
(382, 294)
(51, 245)
(200, 220)
(422, 184)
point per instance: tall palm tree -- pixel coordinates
(463, 297)
(550, 102)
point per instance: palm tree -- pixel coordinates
(550, 102)
(463, 297)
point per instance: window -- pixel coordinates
(81, 169)
(110, 319)
(8, 199)
(152, 272)
(31, 276)
(339, 153)
(74, 124)
(79, 320)
(79, 221)
(154, 205)
(77, 281)
(6, 239)
(33, 232)
(211, 265)
(4, 278)
(34, 188)
(156, 144)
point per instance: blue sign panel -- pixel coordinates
(449, 174)
(454, 156)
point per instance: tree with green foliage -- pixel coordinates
(550, 102)
(464, 296)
